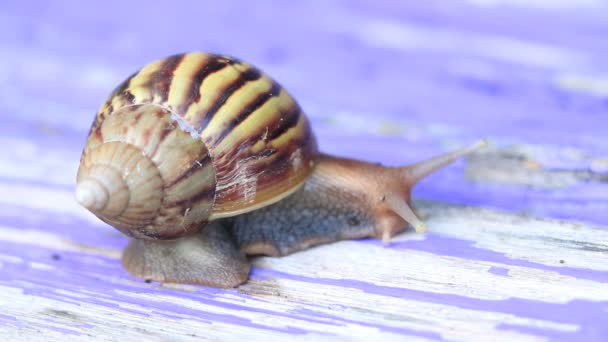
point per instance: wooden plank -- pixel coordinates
(477, 273)
(518, 237)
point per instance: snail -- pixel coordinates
(203, 160)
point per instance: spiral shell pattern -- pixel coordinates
(141, 173)
(251, 138)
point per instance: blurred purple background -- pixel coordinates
(388, 81)
(391, 81)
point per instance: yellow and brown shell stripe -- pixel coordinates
(260, 141)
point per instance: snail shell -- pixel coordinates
(192, 138)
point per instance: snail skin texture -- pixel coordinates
(202, 159)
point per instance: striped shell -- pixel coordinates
(189, 139)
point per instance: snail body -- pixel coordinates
(203, 159)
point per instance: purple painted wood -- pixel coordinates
(390, 81)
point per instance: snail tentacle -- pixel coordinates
(400, 207)
(400, 201)
(415, 172)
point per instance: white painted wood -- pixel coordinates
(358, 260)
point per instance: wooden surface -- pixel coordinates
(517, 248)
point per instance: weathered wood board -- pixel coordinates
(517, 248)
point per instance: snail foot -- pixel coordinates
(208, 258)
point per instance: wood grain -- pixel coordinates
(518, 233)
